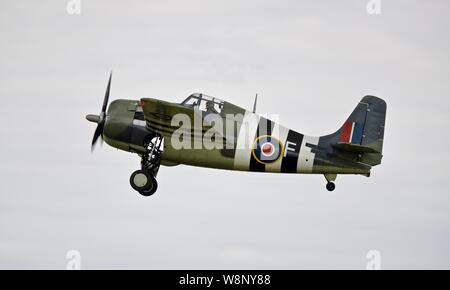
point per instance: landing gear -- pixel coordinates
(331, 186)
(330, 181)
(144, 180)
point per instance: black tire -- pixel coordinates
(140, 180)
(152, 188)
(331, 186)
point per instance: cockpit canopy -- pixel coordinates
(204, 102)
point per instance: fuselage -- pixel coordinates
(255, 143)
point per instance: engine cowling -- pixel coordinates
(125, 127)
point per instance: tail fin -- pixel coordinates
(363, 131)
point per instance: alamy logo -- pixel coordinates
(221, 132)
(374, 7)
(374, 260)
(74, 260)
(73, 7)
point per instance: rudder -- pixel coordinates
(363, 131)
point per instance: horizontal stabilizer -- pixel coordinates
(354, 148)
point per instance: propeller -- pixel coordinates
(100, 119)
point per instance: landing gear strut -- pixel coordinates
(330, 181)
(144, 179)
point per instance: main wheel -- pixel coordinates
(140, 180)
(152, 188)
(143, 182)
(330, 186)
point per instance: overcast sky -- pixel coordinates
(309, 61)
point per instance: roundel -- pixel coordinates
(267, 149)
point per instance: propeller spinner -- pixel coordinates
(100, 119)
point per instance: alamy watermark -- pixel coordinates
(73, 7)
(373, 260)
(216, 131)
(373, 7)
(73, 260)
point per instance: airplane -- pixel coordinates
(208, 132)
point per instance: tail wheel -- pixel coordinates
(143, 182)
(330, 186)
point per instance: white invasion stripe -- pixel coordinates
(281, 134)
(306, 157)
(351, 132)
(245, 140)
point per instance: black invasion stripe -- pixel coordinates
(291, 151)
(265, 127)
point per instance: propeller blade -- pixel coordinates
(105, 101)
(100, 119)
(97, 134)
